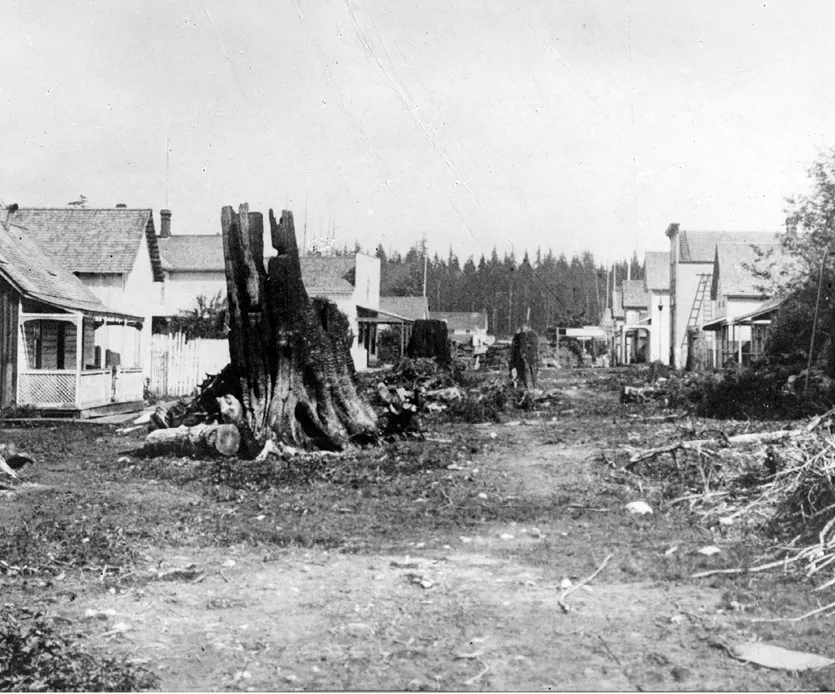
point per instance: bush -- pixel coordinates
(35, 658)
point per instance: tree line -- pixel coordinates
(552, 289)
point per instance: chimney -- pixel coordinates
(164, 224)
(120, 205)
(10, 210)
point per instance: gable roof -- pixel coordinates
(700, 246)
(634, 294)
(38, 276)
(657, 271)
(735, 264)
(411, 307)
(96, 241)
(328, 274)
(456, 320)
(187, 252)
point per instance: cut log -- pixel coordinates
(293, 364)
(200, 440)
(430, 339)
(524, 357)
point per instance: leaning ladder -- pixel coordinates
(698, 300)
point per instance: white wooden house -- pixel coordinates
(49, 325)
(112, 251)
(692, 255)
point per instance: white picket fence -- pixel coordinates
(178, 367)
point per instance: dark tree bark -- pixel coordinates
(293, 359)
(524, 357)
(430, 339)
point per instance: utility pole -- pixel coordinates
(304, 243)
(167, 170)
(425, 272)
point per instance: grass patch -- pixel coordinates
(35, 657)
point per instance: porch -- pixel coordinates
(85, 365)
(741, 340)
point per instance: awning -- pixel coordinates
(376, 315)
(715, 324)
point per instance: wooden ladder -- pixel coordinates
(698, 300)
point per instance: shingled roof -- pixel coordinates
(328, 274)
(94, 241)
(191, 253)
(634, 294)
(411, 307)
(700, 246)
(37, 276)
(657, 271)
(735, 267)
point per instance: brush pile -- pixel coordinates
(779, 481)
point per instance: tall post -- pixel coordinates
(815, 321)
(79, 347)
(425, 272)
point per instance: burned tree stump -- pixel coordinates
(524, 357)
(293, 359)
(429, 339)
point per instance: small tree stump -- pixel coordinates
(524, 357)
(430, 340)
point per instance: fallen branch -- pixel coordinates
(801, 617)
(569, 591)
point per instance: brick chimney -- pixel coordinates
(164, 223)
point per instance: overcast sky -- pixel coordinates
(573, 124)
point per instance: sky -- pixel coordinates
(575, 125)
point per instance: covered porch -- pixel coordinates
(370, 320)
(741, 340)
(78, 362)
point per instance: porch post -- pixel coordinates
(738, 346)
(79, 355)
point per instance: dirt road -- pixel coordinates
(435, 577)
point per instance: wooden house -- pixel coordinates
(112, 251)
(49, 324)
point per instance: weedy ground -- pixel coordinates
(433, 565)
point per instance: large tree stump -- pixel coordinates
(524, 357)
(293, 359)
(430, 339)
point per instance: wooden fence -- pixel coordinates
(178, 367)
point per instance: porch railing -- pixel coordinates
(57, 388)
(51, 388)
(130, 385)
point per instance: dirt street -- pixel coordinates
(436, 566)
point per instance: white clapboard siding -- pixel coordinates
(178, 367)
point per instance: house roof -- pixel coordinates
(657, 271)
(700, 246)
(412, 307)
(40, 277)
(634, 294)
(461, 321)
(191, 252)
(96, 241)
(735, 264)
(328, 274)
